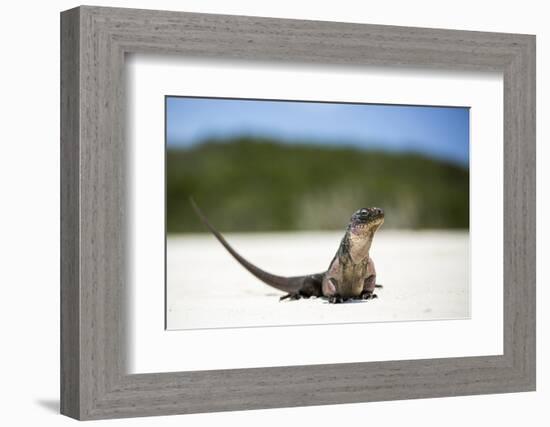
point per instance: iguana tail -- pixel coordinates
(285, 284)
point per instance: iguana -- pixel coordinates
(350, 275)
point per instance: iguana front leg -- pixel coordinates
(330, 290)
(370, 282)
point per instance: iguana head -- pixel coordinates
(362, 226)
(365, 221)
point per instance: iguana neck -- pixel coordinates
(356, 246)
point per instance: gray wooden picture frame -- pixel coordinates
(94, 41)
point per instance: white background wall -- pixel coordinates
(29, 224)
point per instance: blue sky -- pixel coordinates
(440, 132)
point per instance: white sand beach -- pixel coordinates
(425, 275)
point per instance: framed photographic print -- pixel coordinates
(264, 213)
(292, 174)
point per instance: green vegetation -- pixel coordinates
(261, 185)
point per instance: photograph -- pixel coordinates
(294, 213)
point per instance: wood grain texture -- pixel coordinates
(70, 291)
(94, 382)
